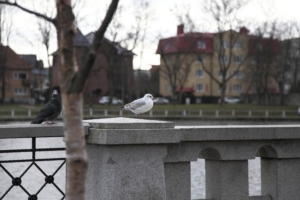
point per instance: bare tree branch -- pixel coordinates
(15, 4)
(80, 77)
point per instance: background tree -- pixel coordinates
(225, 16)
(284, 59)
(265, 52)
(176, 62)
(133, 37)
(294, 57)
(71, 83)
(46, 28)
(6, 30)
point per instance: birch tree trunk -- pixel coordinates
(71, 103)
(72, 82)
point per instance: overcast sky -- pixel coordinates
(25, 37)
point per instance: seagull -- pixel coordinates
(141, 105)
(50, 111)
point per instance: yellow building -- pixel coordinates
(193, 63)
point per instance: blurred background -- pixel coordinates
(208, 62)
(206, 59)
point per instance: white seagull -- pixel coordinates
(141, 105)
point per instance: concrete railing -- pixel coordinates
(147, 159)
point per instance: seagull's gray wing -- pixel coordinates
(135, 104)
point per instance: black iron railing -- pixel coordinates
(49, 178)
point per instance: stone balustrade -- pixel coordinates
(146, 159)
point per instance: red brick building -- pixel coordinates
(113, 65)
(21, 77)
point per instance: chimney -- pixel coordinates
(244, 30)
(180, 29)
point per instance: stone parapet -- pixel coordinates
(147, 159)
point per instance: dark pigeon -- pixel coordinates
(50, 111)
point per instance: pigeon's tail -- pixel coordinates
(37, 120)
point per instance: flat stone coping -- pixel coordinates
(192, 134)
(238, 132)
(128, 123)
(34, 130)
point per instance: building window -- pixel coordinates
(223, 45)
(201, 44)
(237, 74)
(199, 58)
(238, 45)
(223, 59)
(199, 87)
(20, 91)
(20, 75)
(199, 73)
(221, 73)
(220, 88)
(237, 88)
(238, 59)
(169, 88)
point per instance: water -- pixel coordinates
(34, 179)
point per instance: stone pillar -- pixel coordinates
(227, 179)
(126, 158)
(280, 178)
(178, 180)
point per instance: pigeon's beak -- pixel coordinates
(153, 99)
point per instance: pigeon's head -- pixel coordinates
(149, 96)
(54, 94)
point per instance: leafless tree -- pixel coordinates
(46, 28)
(284, 59)
(176, 62)
(225, 16)
(5, 33)
(131, 37)
(295, 57)
(265, 53)
(72, 82)
(224, 13)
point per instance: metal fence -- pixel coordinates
(8, 161)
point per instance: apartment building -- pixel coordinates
(199, 63)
